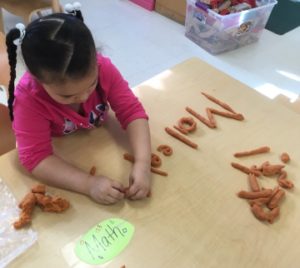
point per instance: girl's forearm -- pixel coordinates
(56, 172)
(139, 139)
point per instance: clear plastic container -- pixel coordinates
(12, 242)
(219, 33)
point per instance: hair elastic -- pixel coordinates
(21, 28)
(72, 8)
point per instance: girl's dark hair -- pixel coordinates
(55, 48)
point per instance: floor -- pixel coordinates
(143, 43)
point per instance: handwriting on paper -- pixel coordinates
(104, 241)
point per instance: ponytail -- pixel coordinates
(12, 59)
(78, 15)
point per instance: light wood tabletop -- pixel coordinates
(194, 217)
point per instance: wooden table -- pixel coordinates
(194, 218)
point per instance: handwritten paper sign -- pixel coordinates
(104, 241)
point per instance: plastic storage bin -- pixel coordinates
(217, 33)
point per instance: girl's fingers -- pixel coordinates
(116, 194)
(117, 185)
(109, 200)
(132, 191)
(138, 195)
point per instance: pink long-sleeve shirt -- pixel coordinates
(37, 117)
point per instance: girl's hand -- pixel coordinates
(139, 181)
(104, 190)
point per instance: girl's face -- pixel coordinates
(73, 91)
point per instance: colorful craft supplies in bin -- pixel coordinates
(218, 33)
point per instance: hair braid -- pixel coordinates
(12, 59)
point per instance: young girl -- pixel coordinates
(68, 86)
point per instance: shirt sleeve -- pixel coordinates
(123, 102)
(33, 134)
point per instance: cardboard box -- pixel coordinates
(173, 9)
